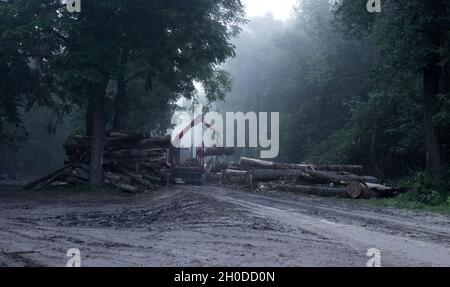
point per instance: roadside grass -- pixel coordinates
(425, 194)
(406, 201)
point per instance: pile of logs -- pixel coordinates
(132, 162)
(324, 180)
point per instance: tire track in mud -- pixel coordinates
(17, 259)
(379, 222)
(389, 235)
(213, 226)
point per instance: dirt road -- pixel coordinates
(213, 226)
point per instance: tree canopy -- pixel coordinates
(350, 84)
(78, 58)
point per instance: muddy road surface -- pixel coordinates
(213, 226)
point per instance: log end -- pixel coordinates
(354, 189)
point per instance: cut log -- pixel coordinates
(366, 190)
(355, 189)
(382, 190)
(162, 142)
(357, 169)
(255, 163)
(59, 184)
(152, 165)
(217, 166)
(234, 176)
(126, 187)
(250, 163)
(132, 162)
(121, 142)
(120, 182)
(150, 162)
(139, 179)
(42, 181)
(123, 133)
(232, 172)
(213, 177)
(276, 174)
(135, 153)
(338, 177)
(153, 178)
(80, 173)
(136, 141)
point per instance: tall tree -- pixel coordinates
(24, 53)
(172, 42)
(79, 57)
(175, 48)
(409, 35)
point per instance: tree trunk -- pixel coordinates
(373, 147)
(89, 116)
(97, 98)
(431, 81)
(120, 105)
(430, 91)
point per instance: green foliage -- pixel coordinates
(408, 201)
(348, 83)
(424, 193)
(424, 189)
(308, 72)
(51, 57)
(158, 49)
(23, 68)
(404, 42)
(149, 110)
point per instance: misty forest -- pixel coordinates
(351, 87)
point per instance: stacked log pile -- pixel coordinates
(133, 162)
(324, 180)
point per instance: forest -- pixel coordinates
(351, 87)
